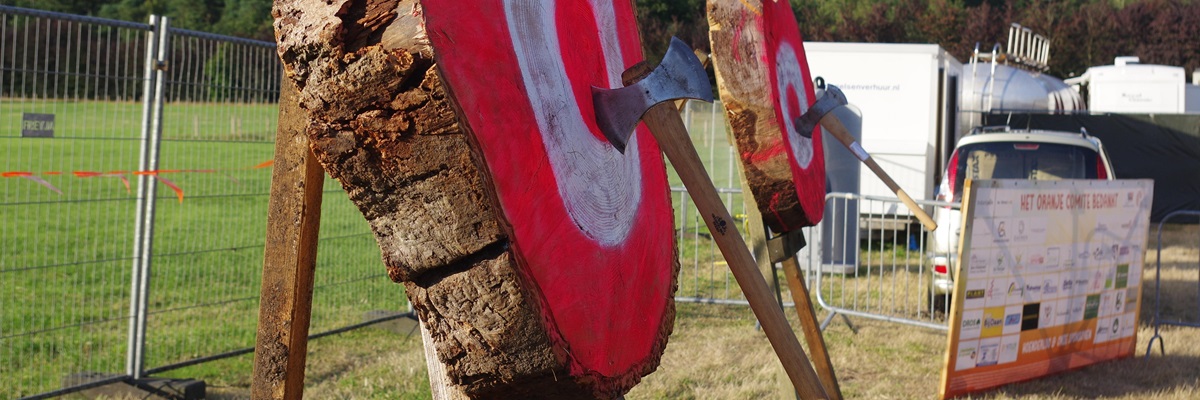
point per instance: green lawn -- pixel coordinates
(65, 259)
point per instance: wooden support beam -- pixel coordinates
(811, 328)
(293, 219)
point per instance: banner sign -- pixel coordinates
(1048, 279)
(37, 125)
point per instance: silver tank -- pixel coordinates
(988, 87)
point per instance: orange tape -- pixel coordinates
(157, 174)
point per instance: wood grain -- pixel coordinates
(411, 151)
(746, 36)
(293, 221)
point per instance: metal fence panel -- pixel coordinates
(66, 204)
(1179, 311)
(91, 271)
(219, 124)
(867, 258)
(885, 273)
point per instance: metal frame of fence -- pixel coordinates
(1158, 320)
(102, 284)
(857, 264)
(889, 277)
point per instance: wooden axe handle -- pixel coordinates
(666, 126)
(835, 127)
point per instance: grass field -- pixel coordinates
(65, 258)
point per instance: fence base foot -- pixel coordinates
(1150, 346)
(145, 388)
(403, 323)
(829, 319)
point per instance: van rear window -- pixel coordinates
(1023, 160)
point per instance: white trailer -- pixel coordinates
(908, 96)
(1130, 87)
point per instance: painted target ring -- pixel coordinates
(765, 85)
(592, 228)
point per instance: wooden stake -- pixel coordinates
(811, 327)
(293, 219)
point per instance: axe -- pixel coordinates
(650, 100)
(819, 113)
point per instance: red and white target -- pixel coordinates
(592, 227)
(765, 85)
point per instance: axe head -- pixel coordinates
(832, 99)
(679, 76)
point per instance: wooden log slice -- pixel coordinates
(763, 78)
(541, 259)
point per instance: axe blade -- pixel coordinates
(679, 76)
(832, 99)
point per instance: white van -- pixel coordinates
(1004, 153)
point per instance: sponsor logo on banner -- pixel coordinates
(1029, 316)
(1034, 291)
(1052, 257)
(1015, 290)
(998, 266)
(1009, 348)
(1081, 285)
(989, 352)
(1049, 288)
(1037, 260)
(1046, 315)
(1076, 310)
(1091, 307)
(1012, 319)
(1122, 276)
(972, 323)
(978, 265)
(993, 322)
(968, 353)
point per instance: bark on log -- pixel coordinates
(384, 124)
(764, 83)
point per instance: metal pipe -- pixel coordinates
(72, 17)
(133, 361)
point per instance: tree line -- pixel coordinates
(243, 18)
(1083, 33)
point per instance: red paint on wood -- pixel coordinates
(779, 25)
(603, 305)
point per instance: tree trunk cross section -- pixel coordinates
(765, 84)
(413, 141)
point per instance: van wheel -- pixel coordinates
(940, 302)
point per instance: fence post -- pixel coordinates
(152, 103)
